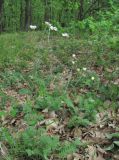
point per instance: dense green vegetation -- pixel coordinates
(59, 96)
(18, 15)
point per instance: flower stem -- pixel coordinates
(49, 36)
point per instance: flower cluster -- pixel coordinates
(48, 24)
(84, 69)
(74, 58)
(33, 27)
(51, 27)
(65, 35)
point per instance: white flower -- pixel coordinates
(48, 24)
(78, 69)
(73, 55)
(73, 62)
(84, 69)
(53, 28)
(92, 78)
(33, 27)
(65, 35)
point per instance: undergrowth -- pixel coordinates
(75, 78)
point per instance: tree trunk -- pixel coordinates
(28, 18)
(80, 15)
(1, 7)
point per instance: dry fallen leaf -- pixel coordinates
(99, 149)
(92, 152)
(99, 157)
(77, 132)
(70, 157)
(52, 114)
(51, 124)
(109, 70)
(116, 82)
(99, 134)
(45, 110)
(3, 150)
(78, 156)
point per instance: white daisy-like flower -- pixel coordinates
(78, 69)
(65, 35)
(51, 28)
(73, 62)
(93, 78)
(84, 69)
(55, 29)
(48, 24)
(33, 27)
(73, 55)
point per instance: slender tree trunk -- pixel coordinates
(47, 10)
(28, 14)
(22, 15)
(98, 5)
(81, 10)
(1, 7)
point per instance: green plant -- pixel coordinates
(31, 143)
(68, 148)
(33, 118)
(48, 101)
(78, 121)
(41, 146)
(89, 106)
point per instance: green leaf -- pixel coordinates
(117, 143)
(13, 112)
(2, 113)
(29, 152)
(109, 148)
(113, 135)
(70, 104)
(24, 91)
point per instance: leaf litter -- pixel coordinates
(99, 141)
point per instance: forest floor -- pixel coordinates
(67, 88)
